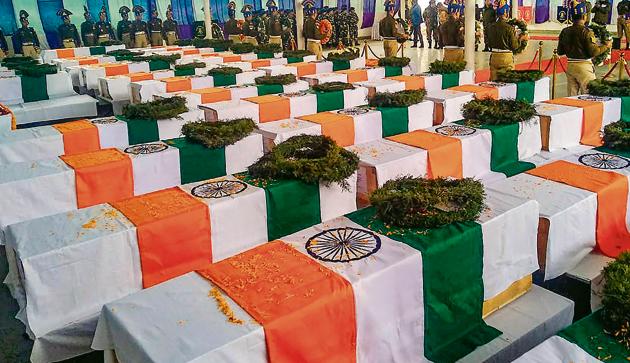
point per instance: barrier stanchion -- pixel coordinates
(540, 55)
(622, 66)
(365, 49)
(554, 59)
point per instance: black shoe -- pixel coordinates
(429, 46)
(421, 45)
(414, 46)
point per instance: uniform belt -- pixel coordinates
(501, 50)
(156, 31)
(27, 44)
(452, 47)
(89, 34)
(139, 33)
(389, 38)
(575, 60)
(103, 35)
(275, 36)
(313, 40)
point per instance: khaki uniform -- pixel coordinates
(503, 42)
(124, 33)
(104, 31)
(275, 30)
(88, 33)
(577, 42)
(139, 34)
(623, 21)
(155, 29)
(170, 31)
(69, 35)
(387, 30)
(601, 11)
(313, 37)
(27, 42)
(250, 33)
(452, 38)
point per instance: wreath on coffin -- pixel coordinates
(521, 28)
(404, 98)
(282, 79)
(214, 135)
(516, 76)
(616, 299)
(488, 111)
(160, 109)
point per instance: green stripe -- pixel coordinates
(158, 65)
(268, 89)
(394, 120)
(588, 333)
(328, 101)
(525, 91)
(295, 60)
(450, 80)
(34, 88)
(340, 65)
(184, 72)
(452, 265)
(625, 108)
(141, 131)
(391, 71)
(197, 162)
(264, 55)
(291, 205)
(622, 153)
(97, 50)
(224, 80)
(504, 154)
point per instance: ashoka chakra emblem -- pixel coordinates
(218, 189)
(594, 98)
(353, 111)
(240, 86)
(343, 244)
(146, 149)
(105, 120)
(493, 84)
(455, 130)
(604, 161)
(294, 94)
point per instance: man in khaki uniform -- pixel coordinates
(124, 27)
(26, 39)
(311, 31)
(387, 30)
(67, 31)
(155, 29)
(139, 29)
(249, 29)
(169, 27)
(231, 26)
(452, 34)
(623, 21)
(577, 42)
(274, 28)
(502, 41)
(104, 30)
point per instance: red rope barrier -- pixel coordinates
(627, 69)
(562, 66)
(533, 60)
(548, 65)
(610, 71)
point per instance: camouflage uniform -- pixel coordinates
(344, 27)
(430, 16)
(353, 22)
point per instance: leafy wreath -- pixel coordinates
(410, 202)
(394, 61)
(617, 135)
(160, 109)
(346, 55)
(191, 65)
(124, 54)
(309, 158)
(15, 62)
(214, 135)
(616, 299)
(268, 48)
(606, 88)
(36, 70)
(603, 35)
(282, 79)
(514, 76)
(242, 48)
(184, 42)
(224, 71)
(170, 58)
(332, 86)
(111, 42)
(398, 99)
(444, 67)
(296, 53)
(522, 26)
(497, 112)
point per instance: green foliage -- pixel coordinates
(296, 53)
(617, 135)
(282, 79)
(219, 44)
(428, 203)
(124, 54)
(214, 135)
(184, 42)
(616, 299)
(224, 71)
(191, 65)
(170, 58)
(497, 112)
(309, 158)
(394, 61)
(108, 43)
(605, 88)
(160, 109)
(332, 86)
(522, 26)
(443, 67)
(15, 62)
(268, 48)
(346, 55)
(603, 35)
(513, 76)
(36, 70)
(398, 99)
(242, 48)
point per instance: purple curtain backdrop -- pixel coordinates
(542, 11)
(369, 10)
(341, 3)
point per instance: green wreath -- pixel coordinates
(497, 112)
(224, 71)
(36, 70)
(282, 79)
(617, 136)
(606, 88)
(296, 53)
(214, 135)
(171, 58)
(603, 35)
(445, 67)
(191, 65)
(522, 26)
(242, 48)
(398, 99)
(516, 76)
(346, 55)
(394, 61)
(160, 109)
(309, 158)
(410, 202)
(268, 48)
(332, 86)
(616, 299)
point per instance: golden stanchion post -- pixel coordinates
(540, 55)
(365, 49)
(554, 59)
(622, 65)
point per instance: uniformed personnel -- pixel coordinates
(27, 42)
(155, 29)
(623, 21)
(104, 30)
(503, 41)
(488, 18)
(231, 26)
(67, 31)
(311, 31)
(274, 28)
(387, 29)
(353, 21)
(452, 34)
(601, 12)
(578, 43)
(430, 16)
(169, 27)
(123, 29)
(249, 30)
(139, 30)
(4, 47)
(88, 29)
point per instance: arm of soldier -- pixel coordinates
(75, 35)
(591, 45)
(513, 40)
(381, 29)
(35, 38)
(561, 41)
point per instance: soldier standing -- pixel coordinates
(623, 21)
(27, 41)
(416, 22)
(170, 30)
(311, 31)
(4, 47)
(344, 26)
(139, 29)
(452, 34)
(249, 31)
(503, 42)
(387, 30)
(88, 29)
(260, 23)
(274, 28)
(430, 16)
(155, 29)
(601, 12)
(577, 42)
(488, 18)
(104, 30)
(231, 26)
(68, 32)
(124, 27)
(353, 20)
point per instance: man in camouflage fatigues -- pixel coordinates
(353, 21)
(623, 21)
(430, 16)
(344, 26)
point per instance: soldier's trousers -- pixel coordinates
(250, 40)
(315, 46)
(579, 74)
(432, 32)
(171, 38)
(390, 46)
(30, 51)
(126, 40)
(623, 27)
(417, 34)
(453, 54)
(103, 38)
(156, 39)
(235, 38)
(275, 39)
(2, 54)
(354, 34)
(69, 43)
(141, 41)
(500, 61)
